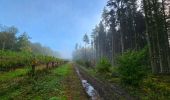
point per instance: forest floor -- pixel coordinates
(60, 83)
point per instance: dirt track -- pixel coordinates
(105, 90)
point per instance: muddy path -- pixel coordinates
(91, 92)
(104, 91)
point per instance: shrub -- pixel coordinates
(114, 71)
(103, 67)
(132, 67)
(84, 63)
(87, 64)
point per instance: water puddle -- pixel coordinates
(92, 93)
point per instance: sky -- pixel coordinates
(58, 24)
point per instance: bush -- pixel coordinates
(84, 63)
(132, 67)
(103, 67)
(87, 64)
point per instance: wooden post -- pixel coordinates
(47, 65)
(53, 64)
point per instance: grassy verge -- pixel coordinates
(73, 86)
(46, 85)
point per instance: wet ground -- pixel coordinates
(92, 93)
(100, 90)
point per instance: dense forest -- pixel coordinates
(131, 47)
(130, 25)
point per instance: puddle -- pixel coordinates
(92, 93)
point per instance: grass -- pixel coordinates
(64, 70)
(13, 74)
(89, 70)
(46, 85)
(73, 86)
(5, 76)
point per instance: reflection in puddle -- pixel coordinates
(89, 88)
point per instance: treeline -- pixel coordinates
(9, 40)
(128, 25)
(17, 51)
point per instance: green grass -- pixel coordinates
(73, 86)
(46, 85)
(13, 74)
(90, 71)
(62, 71)
(4, 76)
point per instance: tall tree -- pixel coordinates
(8, 37)
(86, 41)
(126, 26)
(157, 35)
(23, 43)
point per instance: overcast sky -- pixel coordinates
(58, 24)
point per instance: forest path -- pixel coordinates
(105, 90)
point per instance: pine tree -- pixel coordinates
(157, 36)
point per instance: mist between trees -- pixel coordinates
(130, 25)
